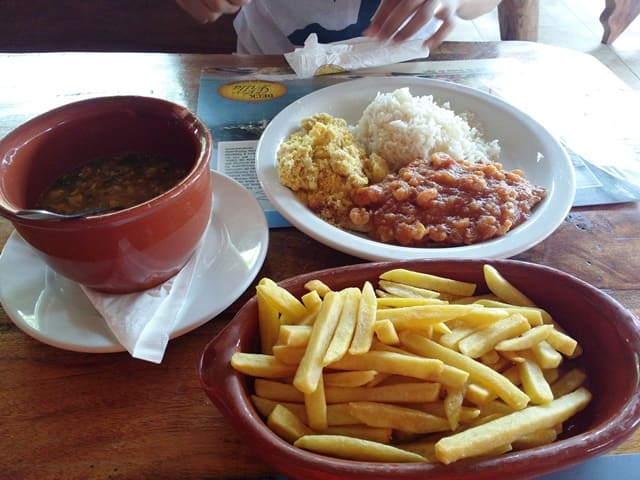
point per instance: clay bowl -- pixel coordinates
(609, 335)
(127, 250)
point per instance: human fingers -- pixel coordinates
(391, 15)
(420, 17)
(206, 11)
(198, 9)
(448, 23)
(445, 12)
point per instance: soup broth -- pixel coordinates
(117, 182)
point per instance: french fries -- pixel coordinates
(286, 424)
(356, 449)
(507, 429)
(396, 417)
(418, 368)
(310, 368)
(503, 289)
(365, 321)
(345, 328)
(430, 282)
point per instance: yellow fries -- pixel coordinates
(317, 286)
(527, 340)
(391, 362)
(386, 332)
(482, 341)
(479, 440)
(535, 439)
(286, 424)
(396, 417)
(407, 291)
(546, 355)
(293, 335)
(422, 316)
(453, 406)
(375, 434)
(281, 300)
(315, 404)
(337, 414)
(346, 326)
(260, 365)
(410, 392)
(289, 355)
(562, 342)
(365, 321)
(568, 382)
(406, 301)
(310, 368)
(430, 282)
(355, 449)
(478, 372)
(502, 289)
(534, 383)
(268, 322)
(349, 379)
(416, 368)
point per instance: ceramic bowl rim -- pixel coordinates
(244, 418)
(198, 129)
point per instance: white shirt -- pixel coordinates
(278, 26)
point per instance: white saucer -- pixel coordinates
(55, 311)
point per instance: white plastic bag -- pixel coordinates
(362, 52)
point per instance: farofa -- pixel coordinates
(323, 164)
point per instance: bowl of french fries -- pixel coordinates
(427, 369)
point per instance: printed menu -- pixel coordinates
(236, 104)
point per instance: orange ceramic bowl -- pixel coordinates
(124, 251)
(608, 333)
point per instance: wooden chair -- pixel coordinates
(519, 19)
(109, 25)
(616, 17)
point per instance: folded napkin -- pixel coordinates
(143, 321)
(362, 52)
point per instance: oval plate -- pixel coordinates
(525, 144)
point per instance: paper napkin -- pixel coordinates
(143, 321)
(363, 52)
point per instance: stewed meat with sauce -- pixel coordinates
(444, 202)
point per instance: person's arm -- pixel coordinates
(389, 20)
(206, 11)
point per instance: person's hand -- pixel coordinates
(206, 11)
(398, 20)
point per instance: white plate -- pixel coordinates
(525, 144)
(54, 310)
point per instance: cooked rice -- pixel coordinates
(402, 128)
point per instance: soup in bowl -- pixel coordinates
(144, 161)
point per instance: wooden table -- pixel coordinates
(76, 416)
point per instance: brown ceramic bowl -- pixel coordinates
(609, 335)
(127, 250)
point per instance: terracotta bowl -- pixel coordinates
(609, 335)
(127, 250)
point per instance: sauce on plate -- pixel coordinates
(445, 202)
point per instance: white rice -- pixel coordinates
(402, 128)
